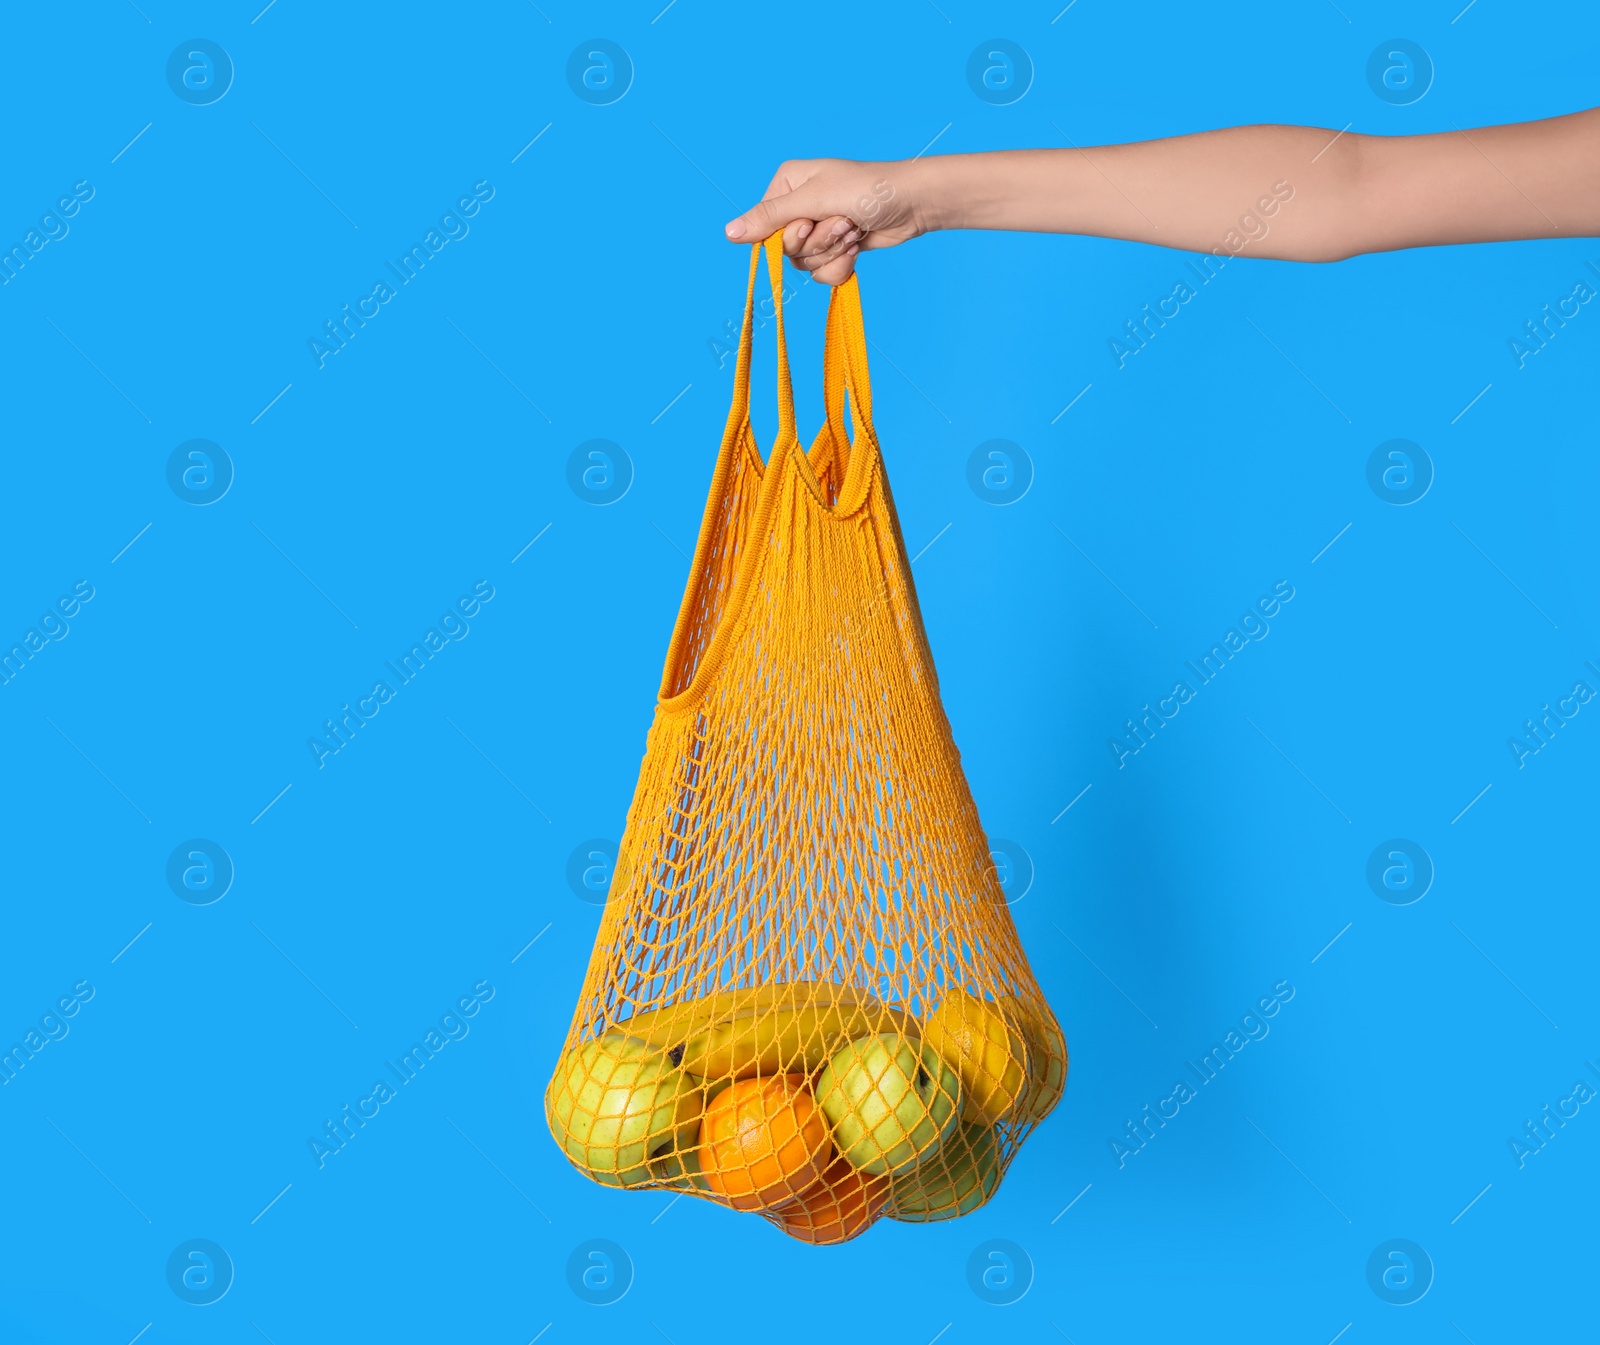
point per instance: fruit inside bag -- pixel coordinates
(807, 998)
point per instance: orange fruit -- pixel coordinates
(843, 1205)
(763, 1142)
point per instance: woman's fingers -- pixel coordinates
(795, 234)
(826, 242)
(839, 269)
(833, 246)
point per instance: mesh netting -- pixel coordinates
(807, 998)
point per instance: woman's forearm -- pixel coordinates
(1292, 192)
(1188, 192)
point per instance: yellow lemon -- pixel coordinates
(1047, 1058)
(990, 1055)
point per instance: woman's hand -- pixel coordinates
(832, 209)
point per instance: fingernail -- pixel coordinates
(736, 229)
(842, 226)
(804, 229)
(851, 250)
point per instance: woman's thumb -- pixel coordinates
(766, 217)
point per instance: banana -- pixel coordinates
(784, 1040)
(671, 1026)
(676, 1023)
(790, 1028)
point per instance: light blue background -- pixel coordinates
(426, 855)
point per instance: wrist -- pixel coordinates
(925, 183)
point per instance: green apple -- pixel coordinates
(890, 1100)
(962, 1175)
(616, 1102)
(679, 1168)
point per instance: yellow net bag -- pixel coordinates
(807, 998)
